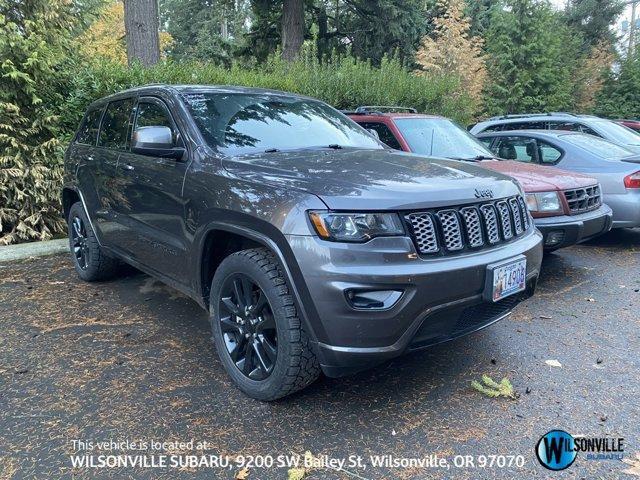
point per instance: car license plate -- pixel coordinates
(508, 278)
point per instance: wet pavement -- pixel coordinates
(131, 359)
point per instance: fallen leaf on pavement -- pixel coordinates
(634, 463)
(493, 389)
(296, 473)
(242, 474)
(553, 363)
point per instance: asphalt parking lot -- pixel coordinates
(131, 359)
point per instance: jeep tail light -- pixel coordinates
(632, 181)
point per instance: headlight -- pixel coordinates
(355, 227)
(544, 202)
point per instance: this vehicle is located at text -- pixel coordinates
(313, 246)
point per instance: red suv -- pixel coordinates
(632, 124)
(546, 188)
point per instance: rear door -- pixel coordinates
(153, 205)
(99, 142)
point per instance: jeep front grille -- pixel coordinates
(452, 230)
(583, 200)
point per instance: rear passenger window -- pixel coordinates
(115, 125)
(516, 148)
(88, 131)
(384, 132)
(548, 153)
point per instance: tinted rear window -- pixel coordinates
(115, 125)
(88, 131)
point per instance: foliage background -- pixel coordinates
(447, 57)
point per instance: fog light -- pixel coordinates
(554, 238)
(372, 299)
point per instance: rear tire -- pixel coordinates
(263, 326)
(89, 260)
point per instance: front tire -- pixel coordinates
(90, 262)
(256, 329)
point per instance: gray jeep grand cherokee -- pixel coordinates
(312, 245)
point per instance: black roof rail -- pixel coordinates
(379, 109)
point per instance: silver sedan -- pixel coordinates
(616, 168)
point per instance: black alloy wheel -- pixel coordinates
(80, 243)
(248, 327)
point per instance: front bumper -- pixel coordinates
(442, 298)
(565, 230)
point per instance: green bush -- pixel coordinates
(34, 41)
(32, 206)
(343, 82)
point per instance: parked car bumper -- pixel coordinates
(436, 299)
(566, 230)
(626, 208)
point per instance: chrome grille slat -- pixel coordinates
(491, 223)
(472, 226)
(424, 232)
(452, 230)
(505, 220)
(583, 200)
(524, 210)
(517, 219)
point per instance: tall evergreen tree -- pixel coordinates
(479, 13)
(620, 97)
(594, 19)
(207, 30)
(35, 40)
(531, 59)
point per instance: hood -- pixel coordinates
(357, 179)
(539, 178)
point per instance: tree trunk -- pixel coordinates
(141, 25)
(292, 28)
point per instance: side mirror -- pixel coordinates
(374, 133)
(155, 142)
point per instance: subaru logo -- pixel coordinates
(484, 193)
(556, 450)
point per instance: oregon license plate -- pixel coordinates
(508, 278)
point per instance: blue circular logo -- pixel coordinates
(556, 450)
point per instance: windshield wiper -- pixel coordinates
(335, 146)
(483, 157)
(463, 159)
(272, 150)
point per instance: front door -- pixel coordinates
(153, 204)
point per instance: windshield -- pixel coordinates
(597, 146)
(617, 133)
(239, 124)
(441, 138)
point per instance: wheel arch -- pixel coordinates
(69, 197)
(211, 256)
